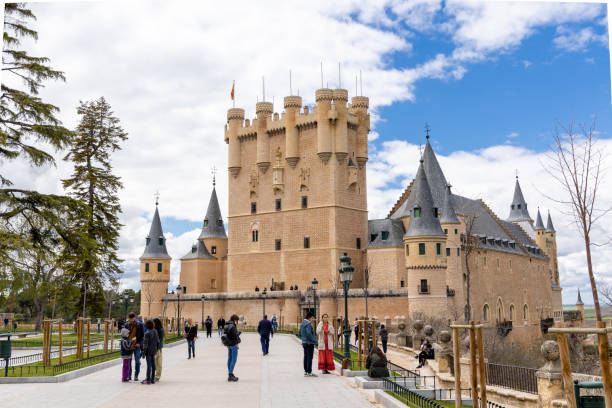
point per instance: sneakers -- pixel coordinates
(232, 378)
(135, 379)
(310, 375)
(305, 374)
(146, 382)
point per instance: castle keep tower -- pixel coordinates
(425, 246)
(291, 224)
(154, 269)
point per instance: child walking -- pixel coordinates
(126, 354)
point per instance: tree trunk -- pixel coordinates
(587, 243)
(466, 312)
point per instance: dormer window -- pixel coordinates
(214, 250)
(205, 223)
(384, 235)
(518, 206)
(220, 223)
(193, 249)
(160, 241)
(373, 237)
(148, 241)
(435, 212)
(512, 206)
(417, 212)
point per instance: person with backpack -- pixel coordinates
(307, 334)
(231, 339)
(126, 354)
(150, 345)
(264, 328)
(191, 334)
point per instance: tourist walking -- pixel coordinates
(356, 331)
(307, 334)
(126, 354)
(161, 333)
(231, 339)
(384, 336)
(150, 345)
(264, 328)
(220, 325)
(136, 335)
(376, 363)
(208, 323)
(274, 325)
(191, 334)
(325, 334)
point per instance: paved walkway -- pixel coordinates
(273, 381)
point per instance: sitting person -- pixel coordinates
(376, 363)
(425, 354)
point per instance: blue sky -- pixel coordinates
(491, 78)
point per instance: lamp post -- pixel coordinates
(178, 308)
(346, 277)
(203, 298)
(315, 282)
(263, 295)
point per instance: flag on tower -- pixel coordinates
(232, 93)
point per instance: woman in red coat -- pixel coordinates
(325, 334)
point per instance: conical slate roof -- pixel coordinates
(518, 208)
(198, 251)
(426, 223)
(213, 221)
(579, 301)
(156, 242)
(448, 212)
(549, 224)
(539, 224)
(435, 176)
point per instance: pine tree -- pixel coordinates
(96, 137)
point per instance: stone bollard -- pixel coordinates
(429, 332)
(418, 333)
(550, 383)
(443, 351)
(400, 337)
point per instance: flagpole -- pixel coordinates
(233, 94)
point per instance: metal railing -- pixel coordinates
(407, 396)
(28, 370)
(449, 393)
(491, 404)
(399, 371)
(513, 377)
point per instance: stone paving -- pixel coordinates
(276, 380)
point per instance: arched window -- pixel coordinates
(500, 311)
(511, 313)
(485, 313)
(525, 312)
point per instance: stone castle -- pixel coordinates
(298, 202)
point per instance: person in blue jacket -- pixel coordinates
(264, 328)
(309, 339)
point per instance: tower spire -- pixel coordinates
(518, 207)
(579, 300)
(424, 216)
(213, 221)
(539, 224)
(156, 242)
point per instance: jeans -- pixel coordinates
(232, 357)
(191, 347)
(150, 368)
(220, 330)
(384, 344)
(308, 355)
(137, 356)
(265, 344)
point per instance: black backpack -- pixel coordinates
(225, 336)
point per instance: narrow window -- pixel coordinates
(146, 267)
(384, 235)
(435, 212)
(458, 252)
(160, 241)
(448, 251)
(159, 267)
(401, 284)
(220, 223)
(278, 204)
(510, 263)
(417, 212)
(277, 245)
(213, 284)
(512, 206)
(485, 261)
(373, 237)
(421, 248)
(306, 242)
(304, 201)
(358, 243)
(511, 313)
(253, 208)
(518, 206)
(255, 235)
(214, 250)
(525, 312)
(206, 223)
(424, 288)
(148, 241)
(485, 313)
(456, 231)
(446, 231)
(438, 249)
(184, 289)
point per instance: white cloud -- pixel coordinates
(526, 63)
(512, 135)
(577, 40)
(489, 174)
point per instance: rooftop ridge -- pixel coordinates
(506, 230)
(401, 199)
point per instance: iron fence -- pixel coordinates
(491, 404)
(73, 365)
(399, 371)
(513, 377)
(449, 393)
(407, 396)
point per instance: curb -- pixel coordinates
(71, 375)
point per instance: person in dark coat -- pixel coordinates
(264, 328)
(136, 336)
(309, 339)
(150, 345)
(376, 363)
(191, 334)
(233, 339)
(209, 324)
(220, 325)
(384, 337)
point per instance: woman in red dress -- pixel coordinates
(325, 334)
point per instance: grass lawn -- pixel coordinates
(67, 340)
(354, 360)
(445, 404)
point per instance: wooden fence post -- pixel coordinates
(61, 339)
(457, 363)
(604, 357)
(46, 342)
(566, 370)
(482, 369)
(473, 368)
(79, 340)
(88, 335)
(112, 335)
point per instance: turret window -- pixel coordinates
(458, 251)
(512, 206)
(304, 201)
(518, 206)
(435, 212)
(417, 212)
(146, 267)
(213, 250)
(446, 231)
(220, 223)
(402, 284)
(421, 248)
(278, 204)
(253, 208)
(159, 267)
(438, 249)
(277, 245)
(456, 231)
(373, 237)
(358, 243)
(306, 242)
(448, 251)
(148, 241)
(384, 235)
(205, 223)
(160, 241)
